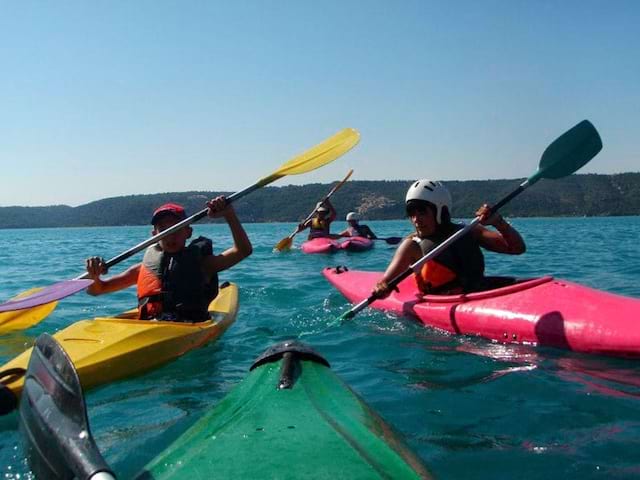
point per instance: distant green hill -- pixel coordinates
(577, 195)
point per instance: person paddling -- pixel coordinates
(355, 229)
(176, 281)
(460, 268)
(319, 224)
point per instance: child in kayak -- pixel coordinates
(460, 267)
(355, 229)
(176, 281)
(320, 224)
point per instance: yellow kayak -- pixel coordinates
(111, 348)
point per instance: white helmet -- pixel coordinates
(352, 216)
(430, 191)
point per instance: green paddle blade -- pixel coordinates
(569, 152)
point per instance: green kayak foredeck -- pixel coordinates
(317, 429)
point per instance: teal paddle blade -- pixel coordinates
(569, 152)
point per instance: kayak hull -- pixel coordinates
(111, 348)
(315, 428)
(329, 245)
(356, 244)
(320, 245)
(540, 311)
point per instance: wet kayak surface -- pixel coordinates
(468, 407)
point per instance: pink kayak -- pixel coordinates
(356, 244)
(540, 311)
(320, 245)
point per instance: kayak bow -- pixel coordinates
(290, 418)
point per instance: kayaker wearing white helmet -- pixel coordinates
(460, 267)
(320, 224)
(355, 229)
(176, 281)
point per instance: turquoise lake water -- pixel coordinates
(470, 408)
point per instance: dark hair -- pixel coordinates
(445, 216)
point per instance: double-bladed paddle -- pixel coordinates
(22, 319)
(314, 158)
(285, 243)
(565, 155)
(53, 418)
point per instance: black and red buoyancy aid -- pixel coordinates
(458, 269)
(174, 286)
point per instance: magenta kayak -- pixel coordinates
(329, 245)
(539, 311)
(320, 245)
(356, 244)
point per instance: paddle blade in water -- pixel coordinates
(569, 152)
(284, 244)
(48, 294)
(321, 154)
(22, 319)
(393, 240)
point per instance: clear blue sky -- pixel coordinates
(109, 98)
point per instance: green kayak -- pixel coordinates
(290, 418)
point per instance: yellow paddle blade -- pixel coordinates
(22, 319)
(284, 244)
(321, 154)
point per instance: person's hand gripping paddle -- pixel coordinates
(565, 155)
(22, 307)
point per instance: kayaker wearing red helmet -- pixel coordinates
(459, 268)
(176, 281)
(320, 224)
(356, 229)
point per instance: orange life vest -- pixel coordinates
(458, 269)
(434, 277)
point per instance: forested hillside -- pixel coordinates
(577, 195)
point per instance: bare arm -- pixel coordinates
(241, 248)
(504, 239)
(332, 211)
(305, 225)
(407, 253)
(95, 267)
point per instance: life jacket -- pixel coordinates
(319, 227)
(174, 286)
(458, 269)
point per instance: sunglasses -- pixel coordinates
(416, 210)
